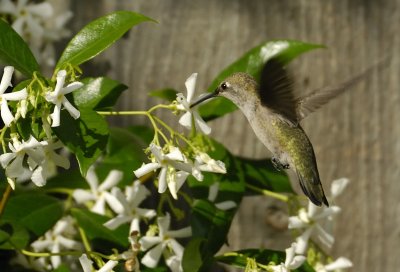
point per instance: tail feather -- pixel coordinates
(312, 188)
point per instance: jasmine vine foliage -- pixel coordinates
(140, 198)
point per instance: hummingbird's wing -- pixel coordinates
(317, 98)
(276, 90)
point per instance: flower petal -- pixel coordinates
(162, 180)
(190, 84)
(71, 109)
(181, 233)
(112, 179)
(82, 196)
(85, 263)
(151, 258)
(340, 263)
(302, 241)
(146, 168)
(71, 87)
(186, 120)
(6, 114)
(338, 186)
(201, 124)
(6, 79)
(176, 247)
(108, 266)
(55, 116)
(116, 222)
(226, 205)
(114, 203)
(149, 241)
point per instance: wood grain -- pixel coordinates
(355, 136)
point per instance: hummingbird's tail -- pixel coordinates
(312, 188)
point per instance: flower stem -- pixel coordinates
(269, 193)
(4, 198)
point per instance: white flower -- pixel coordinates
(311, 221)
(292, 261)
(57, 97)
(168, 163)
(6, 114)
(87, 265)
(164, 243)
(134, 195)
(49, 164)
(13, 162)
(203, 162)
(58, 238)
(212, 196)
(339, 263)
(99, 193)
(191, 115)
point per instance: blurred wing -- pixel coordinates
(317, 98)
(276, 90)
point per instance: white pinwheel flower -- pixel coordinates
(57, 97)
(212, 196)
(204, 163)
(339, 264)
(169, 164)
(99, 192)
(52, 159)
(87, 265)
(6, 114)
(130, 201)
(311, 221)
(292, 261)
(191, 115)
(13, 162)
(60, 237)
(164, 243)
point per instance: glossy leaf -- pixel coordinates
(92, 224)
(36, 212)
(98, 35)
(86, 137)
(17, 235)
(263, 256)
(252, 63)
(98, 93)
(262, 174)
(193, 256)
(15, 52)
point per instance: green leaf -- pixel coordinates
(192, 256)
(252, 63)
(69, 179)
(98, 93)
(98, 35)
(18, 236)
(262, 174)
(168, 94)
(15, 52)
(36, 212)
(86, 137)
(263, 256)
(92, 224)
(145, 133)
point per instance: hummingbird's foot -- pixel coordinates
(278, 165)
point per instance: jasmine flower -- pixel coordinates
(99, 192)
(168, 163)
(87, 265)
(339, 263)
(130, 201)
(292, 261)
(164, 243)
(6, 114)
(203, 162)
(191, 115)
(57, 97)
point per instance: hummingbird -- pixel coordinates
(274, 113)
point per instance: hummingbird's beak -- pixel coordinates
(204, 98)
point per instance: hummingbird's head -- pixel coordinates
(238, 87)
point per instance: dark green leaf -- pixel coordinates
(192, 256)
(252, 63)
(168, 94)
(86, 137)
(98, 35)
(37, 212)
(15, 52)
(262, 174)
(98, 93)
(69, 179)
(18, 236)
(92, 224)
(263, 256)
(143, 132)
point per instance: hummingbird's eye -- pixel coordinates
(224, 85)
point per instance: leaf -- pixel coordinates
(36, 212)
(168, 94)
(86, 137)
(18, 236)
(252, 63)
(262, 174)
(192, 256)
(98, 35)
(145, 133)
(263, 256)
(68, 179)
(98, 93)
(15, 52)
(92, 224)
